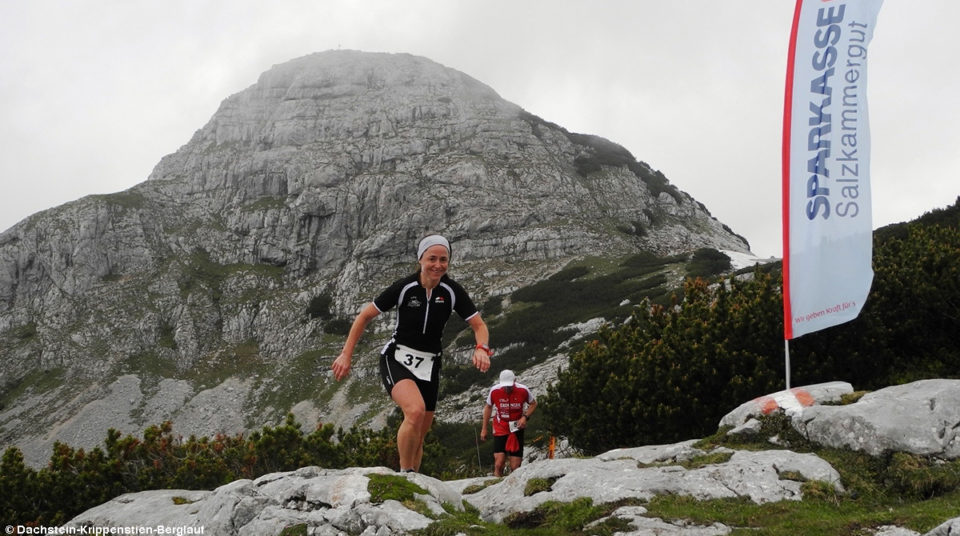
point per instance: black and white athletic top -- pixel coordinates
(420, 320)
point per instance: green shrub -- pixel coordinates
(320, 306)
(338, 326)
(708, 262)
(671, 373)
(76, 480)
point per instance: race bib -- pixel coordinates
(417, 362)
(514, 426)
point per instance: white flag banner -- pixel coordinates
(827, 222)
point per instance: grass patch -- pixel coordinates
(24, 333)
(851, 398)
(127, 199)
(554, 517)
(921, 477)
(457, 522)
(298, 379)
(200, 273)
(239, 360)
(549, 519)
(816, 515)
(264, 203)
(295, 530)
(148, 365)
(711, 458)
(476, 488)
(38, 381)
(537, 485)
(384, 487)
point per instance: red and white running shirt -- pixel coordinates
(507, 407)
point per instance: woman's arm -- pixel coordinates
(482, 352)
(341, 365)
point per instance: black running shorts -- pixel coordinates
(392, 372)
(500, 444)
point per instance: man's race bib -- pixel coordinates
(417, 362)
(514, 426)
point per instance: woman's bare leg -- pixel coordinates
(424, 428)
(415, 423)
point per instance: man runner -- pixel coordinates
(510, 405)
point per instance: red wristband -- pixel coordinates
(486, 349)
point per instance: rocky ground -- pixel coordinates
(920, 418)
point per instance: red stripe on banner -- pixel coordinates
(787, 126)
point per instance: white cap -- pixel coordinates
(430, 241)
(507, 377)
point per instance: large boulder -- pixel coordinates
(921, 418)
(789, 400)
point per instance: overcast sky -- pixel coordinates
(94, 92)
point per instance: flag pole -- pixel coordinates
(786, 359)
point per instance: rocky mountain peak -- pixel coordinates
(361, 153)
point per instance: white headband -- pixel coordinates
(432, 240)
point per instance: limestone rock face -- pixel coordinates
(301, 198)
